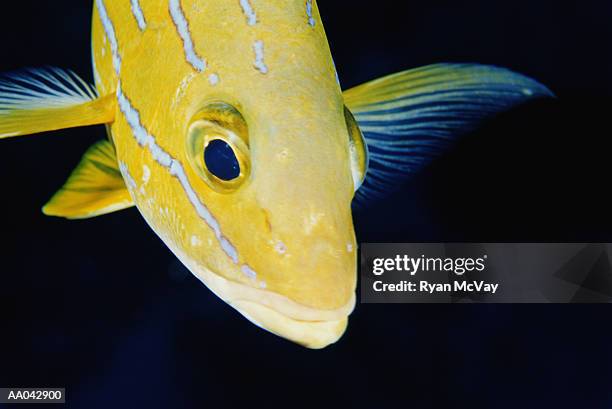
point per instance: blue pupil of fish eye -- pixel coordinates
(221, 160)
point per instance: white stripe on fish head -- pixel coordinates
(182, 26)
(139, 15)
(248, 11)
(148, 141)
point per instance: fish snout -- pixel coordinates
(307, 261)
(303, 250)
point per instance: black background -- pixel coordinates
(102, 307)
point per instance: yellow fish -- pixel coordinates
(229, 131)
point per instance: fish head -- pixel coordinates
(256, 200)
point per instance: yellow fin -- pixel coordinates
(43, 100)
(94, 188)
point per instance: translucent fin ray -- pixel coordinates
(39, 100)
(412, 117)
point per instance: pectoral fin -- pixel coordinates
(94, 188)
(412, 117)
(42, 100)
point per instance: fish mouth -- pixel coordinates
(275, 313)
(310, 327)
(310, 334)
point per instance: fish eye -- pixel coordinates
(357, 149)
(218, 147)
(221, 160)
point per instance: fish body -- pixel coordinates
(178, 81)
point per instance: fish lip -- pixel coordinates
(309, 334)
(310, 327)
(232, 292)
(317, 328)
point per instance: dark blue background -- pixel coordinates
(102, 307)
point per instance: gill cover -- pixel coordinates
(358, 150)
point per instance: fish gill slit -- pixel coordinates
(182, 27)
(139, 15)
